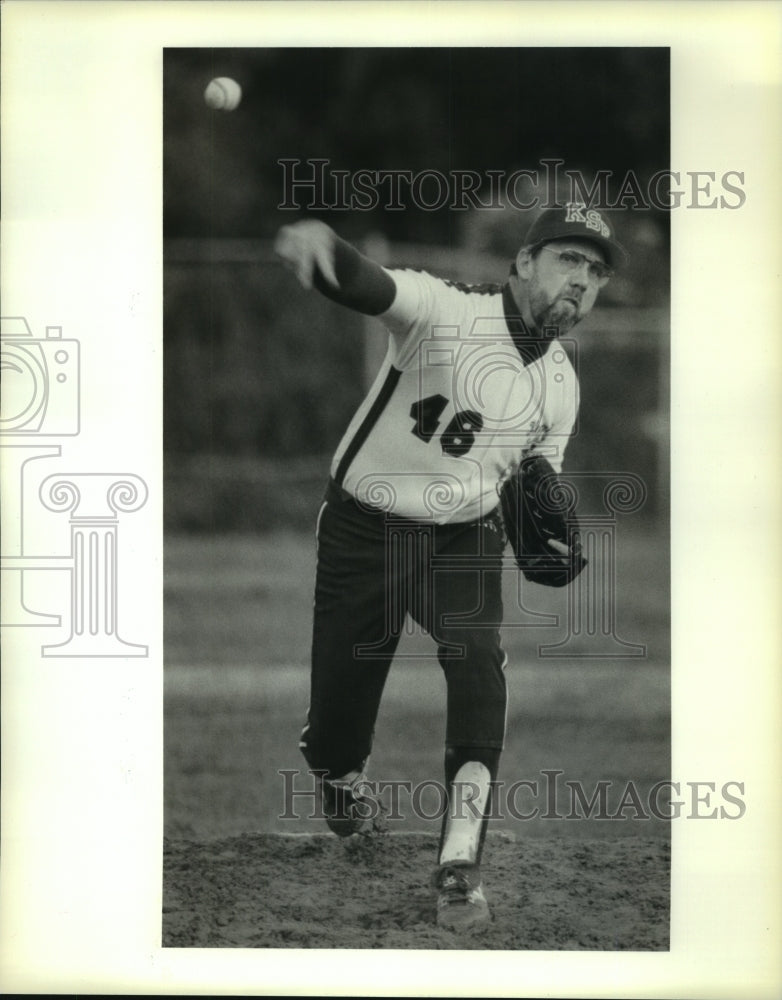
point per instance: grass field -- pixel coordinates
(238, 619)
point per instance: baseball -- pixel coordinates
(223, 94)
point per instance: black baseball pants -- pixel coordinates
(373, 569)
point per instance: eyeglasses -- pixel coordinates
(570, 261)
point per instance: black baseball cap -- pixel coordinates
(575, 220)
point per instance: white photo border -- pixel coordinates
(82, 739)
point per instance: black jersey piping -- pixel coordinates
(369, 421)
(485, 288)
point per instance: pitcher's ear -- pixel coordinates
(524, 262)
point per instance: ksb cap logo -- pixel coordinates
(592, 219)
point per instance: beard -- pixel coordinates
(555, 318)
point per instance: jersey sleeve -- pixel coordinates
(421, 302)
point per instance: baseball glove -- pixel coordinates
(536, 511)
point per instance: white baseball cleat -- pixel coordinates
(461, 904)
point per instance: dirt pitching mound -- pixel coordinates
(316, 891)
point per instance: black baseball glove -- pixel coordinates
(537, 510)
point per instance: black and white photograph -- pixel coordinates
(389, 514)
(373, 327)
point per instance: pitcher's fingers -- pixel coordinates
(325, 262)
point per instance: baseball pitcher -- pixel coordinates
(445, 461)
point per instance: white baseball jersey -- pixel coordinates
(465, 391)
